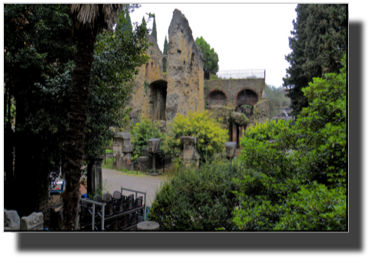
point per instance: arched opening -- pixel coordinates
(216, 97)
(246, 97)
(158, 99)
(245, 100)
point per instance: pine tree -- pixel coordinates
(143, 22)
(154, 30)
(319, 42)
(165, 53)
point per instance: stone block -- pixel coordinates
(11, 220)
(34, 221)
(123, 135)
(154, 145)
(188, 142)
(127, 149)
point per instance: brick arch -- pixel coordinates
(251, 100)
(213, 92)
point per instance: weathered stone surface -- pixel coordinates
(232, 88)
(239, 118)
(11, 220)
(154, 145)
(230, 149)
(222, 114)
(189, 154)
(184, 69)
(148, 225)
(34, 221)
(123, 135)
(127, 149)
(145, 163)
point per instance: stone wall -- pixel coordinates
(142, 102)
(231, 89)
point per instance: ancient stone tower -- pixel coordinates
(160, 96)
(185, 69)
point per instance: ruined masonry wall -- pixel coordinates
(184, 70)
(233, 86)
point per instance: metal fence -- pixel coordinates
(242, 74)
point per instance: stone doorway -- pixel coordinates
(158, 91)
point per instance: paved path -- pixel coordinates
(113, 180)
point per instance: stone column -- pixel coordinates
(123, 149)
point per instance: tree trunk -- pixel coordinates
(77, 117)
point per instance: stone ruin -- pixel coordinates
(160, 96)
(122, 149)
(189, 153)
(12, 221)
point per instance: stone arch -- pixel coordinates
(158, 92)
(246, 96)
(216, 97)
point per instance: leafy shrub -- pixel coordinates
(211, 137)
(141, 132)
(198, 199)
(304, 189)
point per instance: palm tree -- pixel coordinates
(88, 21)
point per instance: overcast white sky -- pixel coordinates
(245, 36)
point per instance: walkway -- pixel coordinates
(113, 180)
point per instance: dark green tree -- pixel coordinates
(211, 57)
(124, 20)
(154, 29)
(37, 46)
(165, 53)
(318, 42)
(143, 22)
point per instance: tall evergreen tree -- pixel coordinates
(318, 42)
(165, 53)
(154, 30)
(124, 21)
(143, 22)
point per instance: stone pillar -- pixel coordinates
(34, 221)
(122, 148)
(189, 153)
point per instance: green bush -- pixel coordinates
(141, 132)
(302, 174)
(198, 199)
(211, 137)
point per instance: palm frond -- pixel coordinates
(95, 16)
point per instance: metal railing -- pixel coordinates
(136, 191)
(242, 74)
(93, 211)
